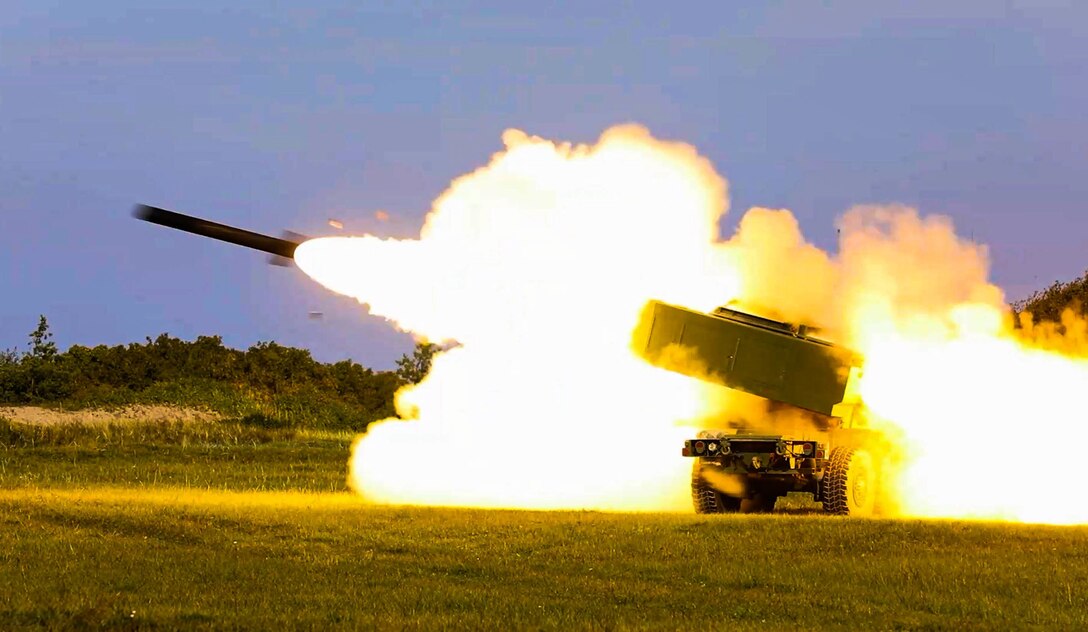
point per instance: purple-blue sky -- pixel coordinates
(269, 117)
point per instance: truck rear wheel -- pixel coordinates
(850, 488)
(708, 500)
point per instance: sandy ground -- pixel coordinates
(139, 412)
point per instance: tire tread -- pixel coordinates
(835, 487)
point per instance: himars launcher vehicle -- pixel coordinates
(834, 455)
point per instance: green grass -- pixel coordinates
(221, 526)
(316, 466)
(195, 454)
(170, 559)
(118, 434)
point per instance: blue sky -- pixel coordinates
(271, 117)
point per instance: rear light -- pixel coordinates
(819, 454)
(699, 447)
(685, 451)
(807, 449)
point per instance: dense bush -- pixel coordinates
(1049, 304)
(268, 385)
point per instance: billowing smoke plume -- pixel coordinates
(538, 266)
(968, 395)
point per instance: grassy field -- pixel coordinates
(202, 455)
(181, 533)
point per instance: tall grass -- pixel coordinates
(305, 407)
(15, 434)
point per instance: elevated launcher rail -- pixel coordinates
(756, 355)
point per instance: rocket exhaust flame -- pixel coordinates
(538, 266)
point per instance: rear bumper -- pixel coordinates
(739, 464)
(793, 450)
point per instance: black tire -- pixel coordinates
(708, 500)
(850, 487)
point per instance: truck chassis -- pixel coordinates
(748, 473)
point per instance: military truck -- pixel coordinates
(831, 453)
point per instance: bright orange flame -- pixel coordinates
(538, 265)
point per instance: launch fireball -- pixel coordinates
(537, 265)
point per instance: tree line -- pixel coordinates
(268, 383)
(1048, 305)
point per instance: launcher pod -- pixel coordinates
(749, 353)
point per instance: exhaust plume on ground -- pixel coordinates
(538, 265)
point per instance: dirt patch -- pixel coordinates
(128, 414)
